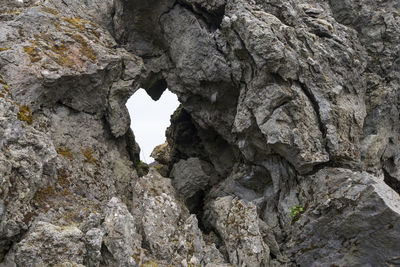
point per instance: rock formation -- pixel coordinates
(284, 152)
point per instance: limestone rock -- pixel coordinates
(353, 211)
(27, 162)
(237, 223)
(292, 105)
(190, 178)
(93, 241)
(121, 239)
(47, 244)
(161, 153)
(172, 234)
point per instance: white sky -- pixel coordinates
(150, 119)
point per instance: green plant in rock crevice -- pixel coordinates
(295, 210)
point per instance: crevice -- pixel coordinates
(248, 54)
(391, 181)
(315, 105)
(73, 109)
(106, 256)
(132, 147)
(196, 206)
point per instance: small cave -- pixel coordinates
(150, 110)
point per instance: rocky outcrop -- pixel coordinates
(191, 178)
(285, 147)
(47, 244)
(171, 234)
(237, 223)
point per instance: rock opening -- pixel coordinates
(150, 112)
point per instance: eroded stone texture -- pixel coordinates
(171, 233)
(349, 217)
(190, 179)
(292, 105)
(237, 223)
(47, 244)
(121, 239)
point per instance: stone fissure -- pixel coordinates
(316, 108)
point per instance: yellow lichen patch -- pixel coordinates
(33, 53)
(57, 52)
(88, 154)
(4, 49)
(57, 25)
(49, 10)
(43, 194)
(86, 49)
(6, 88)
(63, 180)
(76, 22)
(2, 81)
(11, 11)
(150, 264)
(61, 57)
(81, 25)
(25, 114)
(65, 152)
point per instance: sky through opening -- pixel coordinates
(150, 119)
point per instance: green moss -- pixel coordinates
(25, 114)
(295, 210)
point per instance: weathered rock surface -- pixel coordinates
(285, 147)
(191, 178)
(121, 239)
(171, 234)
(237, 223)
(47, 244)
(349, 218)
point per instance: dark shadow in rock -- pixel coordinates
(155, 86)
(391, 181)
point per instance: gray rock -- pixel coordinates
(349, 217)
(121, 238)
(237, 223)
(93, 241)
(47, 244)
(274, 95)
(191, 177)
(172, 234)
